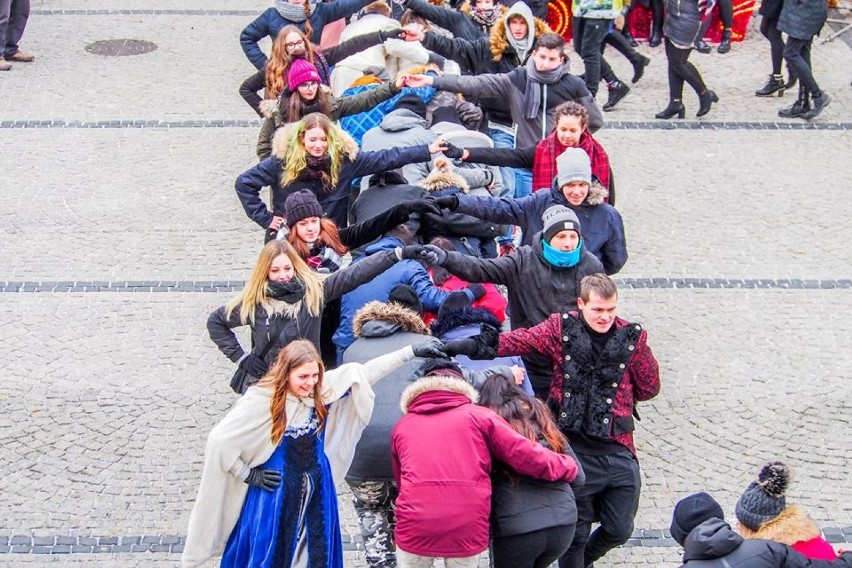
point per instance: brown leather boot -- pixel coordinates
(21, 57)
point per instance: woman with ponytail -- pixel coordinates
(267, 494)
(309, 16)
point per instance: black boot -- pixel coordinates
(725, 44)
(639, 67)
(702, 47)
(773, 86)
(798, 108)
(706, 100)
(617, 92)
(674, 108)
(819, 103)
(656, 37)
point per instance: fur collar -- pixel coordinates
(283, 135)
(390, 312)
(464, 316)
(792, 525)
(597, 193)
(429, 384)
(499, 41)
(442, 176)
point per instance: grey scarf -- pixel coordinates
(521, 46)
(532, 95)
(293, 12)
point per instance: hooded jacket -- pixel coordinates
(408, 272)
(795, 528)
(334, 203)
(441, 454)
(382, 195)
(492, 54)
(713, 544)
(400, 128)
(270, 22)
(601, 223)
(383, 328)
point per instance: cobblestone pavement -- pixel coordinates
(106, 397)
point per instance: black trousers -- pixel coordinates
(797, 53)
(680, 71)
(769, 29)
(726, 13)
(611, 497)
(589, 35)
(537, 549)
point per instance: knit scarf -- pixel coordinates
(547, 150)
(324, 259)
(319, 169)
(485, 18)
(291, 291)
(521, 46)
(532, 95)
(293, 12)
(559, 258)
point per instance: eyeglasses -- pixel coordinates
(294, 44)
(310, 84)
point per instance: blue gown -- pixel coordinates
(297, 525)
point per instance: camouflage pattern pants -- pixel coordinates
(375, 503)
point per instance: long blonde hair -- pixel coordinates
(280, 61)
(255, 292)
(296, 159)
(294, 355)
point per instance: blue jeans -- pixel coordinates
(13, 19)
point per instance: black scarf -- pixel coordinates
(319, 169)
(291, 292)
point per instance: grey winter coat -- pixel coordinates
(399, 129)
(803, 19)
(682, 23)
(713, 544)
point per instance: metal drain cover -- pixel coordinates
(120, 47)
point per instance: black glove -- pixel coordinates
(266, 479)
(450, 202)
(422, 206)
(398, 33)
(433, 256)
(461, 347)
(254, 365)
(430, 348)
(478, 290)
(453, 152)
(482, 346)
(411, 252)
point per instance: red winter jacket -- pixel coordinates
(441, 456)
(493, 300)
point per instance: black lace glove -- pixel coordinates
(253, 365)
(266, 479)
(430, 348)
(450, 202)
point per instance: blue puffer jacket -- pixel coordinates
(600, 223)
(408, 272)
(270, 22)
(334, 202)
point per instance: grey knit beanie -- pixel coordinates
(573, 165)
(558, 218)
(764, 499)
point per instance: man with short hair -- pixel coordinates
(602, 367)
(533, 90)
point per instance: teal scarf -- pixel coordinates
(559, 258)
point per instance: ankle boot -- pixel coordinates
(773, 86)
(656, 37)
(798, 108)
(725, 44)
(674, 108)
(639, 68)
(702, 47)
(819, 101)
(706, 101)
(617, 91)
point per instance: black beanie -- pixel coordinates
(301, 205)
(411, 102)
(764, 499)
(445, 114)
(441, 368)
(692, 511)
(406, 296)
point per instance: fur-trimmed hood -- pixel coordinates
(792, 525)
(499, 40)
(286, 135)
(597, 194)
(442, 177)
(390, 312)
(436, 383)
(464, 316)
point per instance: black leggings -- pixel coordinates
(726, 13)
(680, 71)
(537, 549)
(769, 29)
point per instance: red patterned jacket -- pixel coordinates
(592, 397)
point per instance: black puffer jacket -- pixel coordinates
(713, 544)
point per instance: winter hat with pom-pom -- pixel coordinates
(764, 499)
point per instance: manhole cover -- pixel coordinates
(119, 47)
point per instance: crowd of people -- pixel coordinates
(432, 319)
